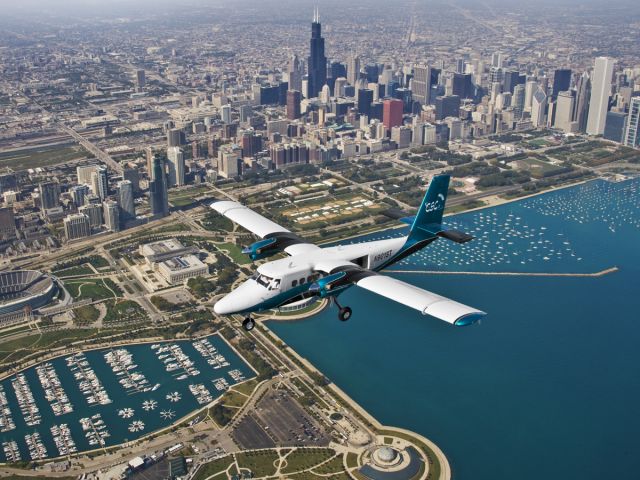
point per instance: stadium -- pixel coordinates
(22, 289)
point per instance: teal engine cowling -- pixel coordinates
(271, 244)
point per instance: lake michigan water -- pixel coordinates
(548, 385)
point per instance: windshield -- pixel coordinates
(267, 282)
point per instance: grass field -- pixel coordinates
(234, 252)
(47, 340)
(261, 464)
(305, 458)
(96, 289)
(41, 156)
(124, 311)
(86, 315)
(211, 468)
(184, 197)
(83, 269)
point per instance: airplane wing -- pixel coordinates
(263, 227)
(428, 303)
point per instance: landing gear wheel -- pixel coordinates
(344, 314)
(248, 324)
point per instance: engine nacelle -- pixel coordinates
(262, 249)
(328, 285)
(271, 244)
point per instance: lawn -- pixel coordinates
(86, 315)
(96, 289)
(211, 468)
(233, 399)
(41, 156)
(235, 252)
(332, 466)
(247, 387)
(43, 341)
(305, 458)
(261, 463)
(124, 311)
(83, 269)
(184, 197)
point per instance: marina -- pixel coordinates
(100, 398)
(26, 402)
(54, 393)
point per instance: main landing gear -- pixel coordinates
(248, 324)
(344, 313)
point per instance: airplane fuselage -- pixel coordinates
(287, 280)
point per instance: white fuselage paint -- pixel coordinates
(303, 269)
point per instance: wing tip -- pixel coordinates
(469, 319)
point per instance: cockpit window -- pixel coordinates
(267, 282)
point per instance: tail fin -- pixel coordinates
(428, 220)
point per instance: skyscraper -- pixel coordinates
(353, 69)
(317, 64)
(365, 99)
(78, 193)
(49, 196)
(140, 79)
(84, 173)
(127, 206)
(100, 182)
(392, 113)
(295, 73)
(632, 133)
(293, 104)
(76, 226)
(583, 94)
(538, 107)
(518, 101)
(175, 158)
(564, 111)
(421, 84)
(561, 81)
(600, 90)
(158, 188)
(111, 216)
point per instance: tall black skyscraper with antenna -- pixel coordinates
(317, 60)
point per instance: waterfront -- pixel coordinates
(547, 384)
(101, 398)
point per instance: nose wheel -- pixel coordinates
(248, 324)
(344, 313)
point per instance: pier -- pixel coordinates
(601, 273)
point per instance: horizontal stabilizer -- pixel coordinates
(455, 236)
(400, 215)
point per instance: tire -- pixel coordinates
(248, 324)
(345, 314)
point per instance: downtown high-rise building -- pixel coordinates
(49, 196)
(561, 81)
(392, 113)
(100, 182)
(293, 104)
(84, 173)
(581, 105)
(111, 215)
(421, 84)
(317, 63)
(175, 164)
(517, 101)
(538, 108)
(631, 136)
(564, 108)
(126, 202)
(295, 73)
(76, 226)
(600, 91)
(353, 69)
(158, 197)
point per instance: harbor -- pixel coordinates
(100, 398)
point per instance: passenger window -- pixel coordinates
(310, 278)
(294, 283)
(302, 281)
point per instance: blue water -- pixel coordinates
(148, 364)
(548, 385)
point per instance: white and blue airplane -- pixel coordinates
(313, 271)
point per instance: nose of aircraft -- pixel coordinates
(242, 299)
